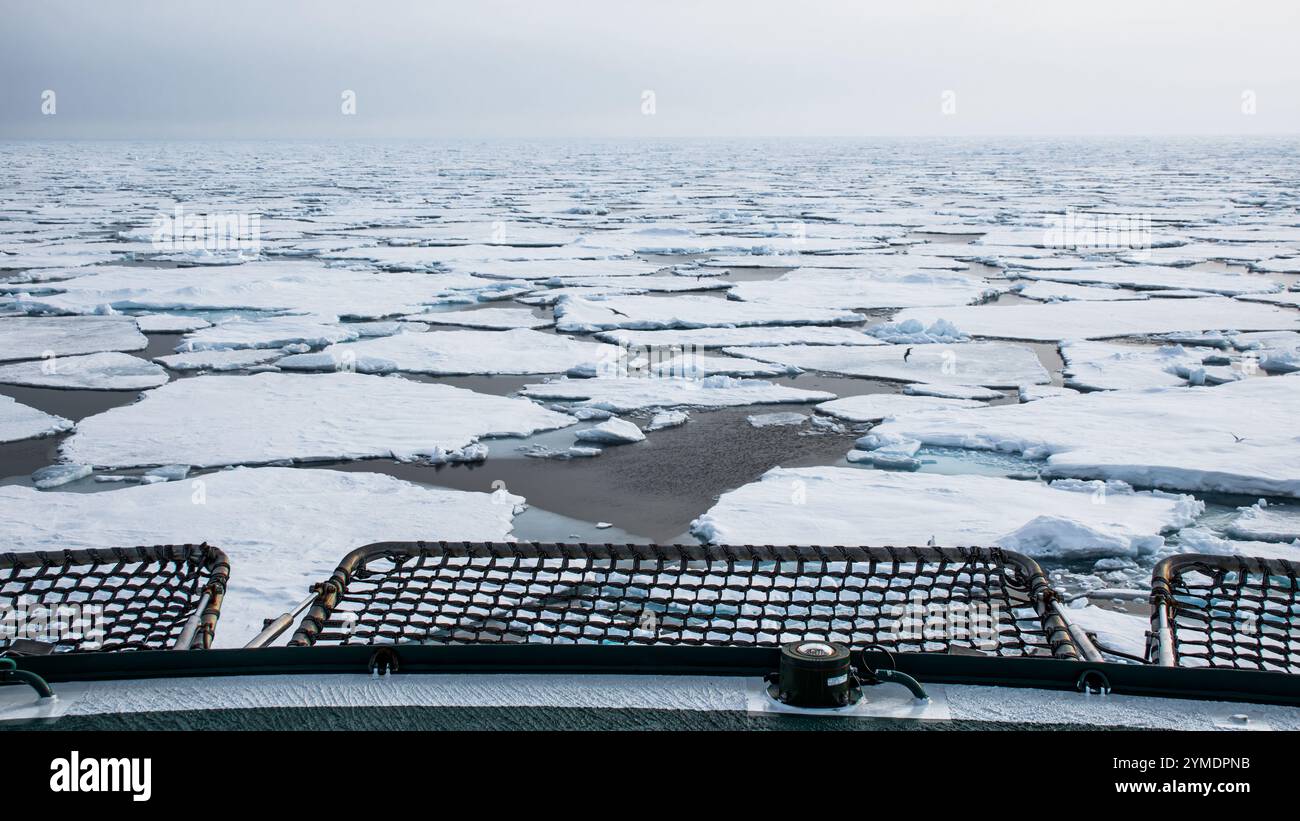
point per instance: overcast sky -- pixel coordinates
(278, 68)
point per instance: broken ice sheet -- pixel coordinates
(97, 372)
(628, 394)
(455, 353)
(990, 364)
(848, 506)
(577, 315)
(318, 516)
(210, 421)
(1064, 292)
(24, 337)
(170, 323)
(18, 421)
(700, 365)
(1054, 321)
(1233, 438)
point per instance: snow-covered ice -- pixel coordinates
(990, 364)
(110, 371)
(952, 391)
(283, 528)
(1159, 277)
(850, 506)
(170, 323)
(210, 421)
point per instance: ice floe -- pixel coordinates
(873, 407)
(110, 371)
(776, 420)
(1106, 366)
(850, 506)
(219, 360)
(267, 332)
(1055, 321)
(304, 287)
(1234, 438)
(18, 421)
(497, 319)
(170, 323)
(830, 289)
(912, 332)
(951, 391)
(667, 419)
(628, 394)
(229, 420)
(577, 315)
(611, 432)
(1267, 523)
(699, 365)
(452, 353)
(283, 528)
(23, 337)
(990, 364)
(1159, 277)
(761, 336)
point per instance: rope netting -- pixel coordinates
(1226, 611)
(121, 598)
(937, 600)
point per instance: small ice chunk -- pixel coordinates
(170, 323)
(665, 419)
(611, 432)
(770, 420)
(55, 475)
(236, 360)
(169, 473)
(912, 332)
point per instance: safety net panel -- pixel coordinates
(1226, 611)
(911, 599)
(121, 598)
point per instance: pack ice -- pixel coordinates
(852, 506)
(210, 421)
(283, 528)
(1233, 438)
